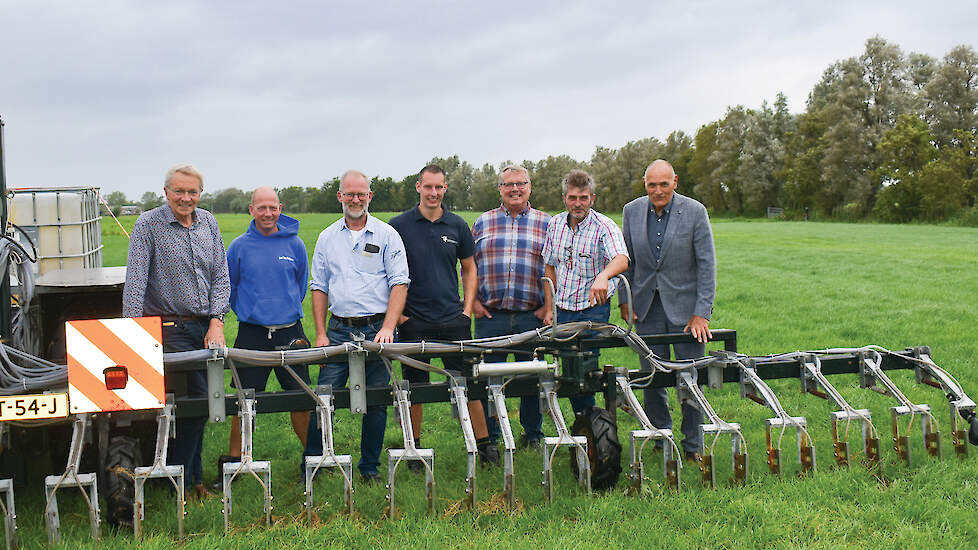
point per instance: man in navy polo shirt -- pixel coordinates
(436, 241)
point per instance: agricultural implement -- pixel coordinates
(113, 402)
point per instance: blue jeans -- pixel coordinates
(336, 373)
(187, 335)
(656, 400)
(501, 324)
(601, 314)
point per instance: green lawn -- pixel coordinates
(783, 286)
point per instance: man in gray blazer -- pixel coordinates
(673, 278)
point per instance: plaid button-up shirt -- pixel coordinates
(579, 254)
(508, 258)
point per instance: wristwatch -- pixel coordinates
(219, 317)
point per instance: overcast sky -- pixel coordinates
(112, 93)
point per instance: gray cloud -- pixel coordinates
(114, 93)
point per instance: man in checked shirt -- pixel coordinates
(177, 269)
(584, 249)
(508, 246)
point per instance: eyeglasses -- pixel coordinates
(520, 184)
(359, 196)
(182, 192)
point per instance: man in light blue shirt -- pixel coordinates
(360, 274)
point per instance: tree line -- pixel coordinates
(885, 135)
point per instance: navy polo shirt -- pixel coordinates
(433, 251)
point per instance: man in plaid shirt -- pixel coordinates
(508, 246)
(584, 249)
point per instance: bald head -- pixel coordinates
(660, 183)
(264, 193)
(265, 209)
(659, 169)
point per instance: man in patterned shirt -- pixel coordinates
(177, 270)
(508, 245)
(583, 251)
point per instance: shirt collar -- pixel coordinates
(170, 217)
(523, 212)
(370, 226)
(666, 210)
(583, 223)
(416, 213)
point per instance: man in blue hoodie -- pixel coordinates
(269, 272)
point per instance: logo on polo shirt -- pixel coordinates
(287, 258)
(448, 239)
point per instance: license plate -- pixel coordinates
(29, 407)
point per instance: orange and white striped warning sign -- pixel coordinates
(99, 344)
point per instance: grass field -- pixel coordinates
(783, 286)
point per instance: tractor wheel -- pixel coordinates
(122, 457)
(603, 448)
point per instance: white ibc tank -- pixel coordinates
(63, 222)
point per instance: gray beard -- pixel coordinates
(347, 213)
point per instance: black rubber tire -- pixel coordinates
(122, 457)
(603, 448)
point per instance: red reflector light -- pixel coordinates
(116, 377)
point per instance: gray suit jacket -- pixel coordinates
(685, 274)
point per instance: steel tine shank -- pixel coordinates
(460, 403)
(159, 469)
(261, 470)
(72, 478)
(329, 458)
(811, 379)
(402, 400)
(498, 401)
(688, 388)
(639, 438)
(548, 395)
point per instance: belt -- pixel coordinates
(359, 321)
(272, 328)
(496, 310)
(170, 320)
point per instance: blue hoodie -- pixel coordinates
(269, 275)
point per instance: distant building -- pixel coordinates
(130, 210)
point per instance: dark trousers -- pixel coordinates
(416, 330)
(336, 373)
(187, 335)
(503, 323)
(260, 338)
(656, 400)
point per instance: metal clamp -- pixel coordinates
(159, 469)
